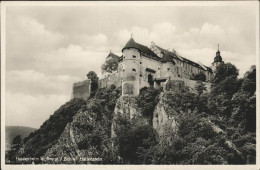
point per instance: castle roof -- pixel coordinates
(143, 49)
(168, 56)
(130, 44)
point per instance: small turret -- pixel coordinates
(217, 60)
(218, 57)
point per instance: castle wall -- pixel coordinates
(168, 69)
(112, 79)
(81, 89)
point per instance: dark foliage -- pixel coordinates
(135, 138)
(15, 147)
(94, 82)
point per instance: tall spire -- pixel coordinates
(218, 57)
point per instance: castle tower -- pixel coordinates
(217, 60)
(131, 68)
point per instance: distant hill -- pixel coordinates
(12, 131)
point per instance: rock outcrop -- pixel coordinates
(127, 107)
(164, 122)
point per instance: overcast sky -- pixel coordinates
(49, 48)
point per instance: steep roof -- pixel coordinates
(168, 56)
(143, 49)
(147, 52)
(113, 56)
(130, 44)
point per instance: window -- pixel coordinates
(168, 69)
(134, 56)
(158, 68)
(140, 62)
(134, 70)
(141, 75)
(124, 70)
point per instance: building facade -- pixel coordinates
(140, 66)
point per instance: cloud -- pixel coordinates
(26, 37)
(73, 60)
(31, 110)
(98, 39)
(37, 83)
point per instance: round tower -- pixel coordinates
(217, 60)
(131, 68)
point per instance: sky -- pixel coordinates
(48, 48)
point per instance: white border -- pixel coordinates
(123, 3)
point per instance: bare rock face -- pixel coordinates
(163, 122)
(127, 107)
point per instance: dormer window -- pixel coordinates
(134, 56)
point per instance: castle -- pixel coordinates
(140, 66)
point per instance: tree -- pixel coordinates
(135, 138)
(249, 84)
(244, 102)
(225, 85)
(92, 76)
(200, 77)
(224, 71)
(200, 87)
(15, 147)
(110, 65)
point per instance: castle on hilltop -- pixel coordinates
(140, 66)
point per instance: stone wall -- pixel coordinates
(81, 89)
(111, 79)
(179, 83)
